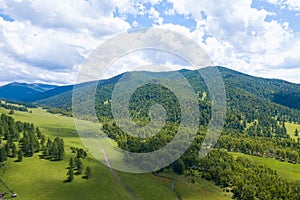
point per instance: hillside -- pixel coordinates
(20, 91)
(274, 90)
(246, 94)
(48, 177)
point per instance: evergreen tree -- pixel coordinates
(88, 172)
(20, 155)
(70, 175)
(3, 154)
(71, 163)
(13, 150)
(79, 166)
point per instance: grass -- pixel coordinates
(290, 128)
(35, 178)
(203, 189)
(286, 170)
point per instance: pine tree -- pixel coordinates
(71, 163)
(3, 154)
(70, 175)
(38, 132)
(88, 172)
(20, 155)
(13, 150)
(79, 166)
(11, 112)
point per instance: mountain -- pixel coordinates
(275, 91)
(20, 91)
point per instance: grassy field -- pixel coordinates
(35, 178)
(284, 169)
(290, 128)
(203, 190)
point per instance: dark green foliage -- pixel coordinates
(70, 175)
(79, 166)
(246, 179)
(71, 163)
(178, 166)
(12, 107)
(54, 150)
(3, 154)
(20, 155)
(13, 150)
(29, 143)
(88, 172)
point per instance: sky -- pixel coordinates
(48, 40)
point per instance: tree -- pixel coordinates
(13, 150)
(179, 167)
(79, 166)
(71, 163)
(296, 133)
(11, 112)
(88, 172)
(20, 155)
(70, 175)
(3, 154)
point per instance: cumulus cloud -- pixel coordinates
(286, 4)
(48, 39)
(238, 36)
(53, 36)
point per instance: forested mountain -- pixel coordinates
(273, 90)
(241, 90)
(20, 91)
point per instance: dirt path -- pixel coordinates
(114, 175)
(172, 184)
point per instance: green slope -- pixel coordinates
(284, 169)
(35, 178)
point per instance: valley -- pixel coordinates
(256, 157)
(36, 178)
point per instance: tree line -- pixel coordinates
(18, 139)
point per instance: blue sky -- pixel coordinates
(48, 40)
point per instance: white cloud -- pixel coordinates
(289, 4)
(49, 38)
(238, 37)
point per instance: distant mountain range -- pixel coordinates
(273, 90)
(21, 91)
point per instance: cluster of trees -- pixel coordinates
(59, 111)
(20, 103)
(281, 149)
(24, 139)
(13, 107)
(246, 179)
(76, 165)
(54, 149)
(80, 153)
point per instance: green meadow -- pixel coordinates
(36, 178)
(290, 128)
(286, 170)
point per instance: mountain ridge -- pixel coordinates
(275, 90)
